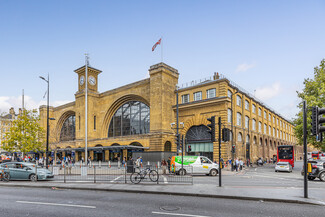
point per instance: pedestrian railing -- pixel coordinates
(119, 173)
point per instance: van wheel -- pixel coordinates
(213, 172)
(182, 172)
(322, 176)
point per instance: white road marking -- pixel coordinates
(177, 214)
(57, 204)
(165, 180)
(116, 178)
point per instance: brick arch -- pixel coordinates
(60, 122)
(194, 121)
(116, 105)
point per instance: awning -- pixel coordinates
(99, 149)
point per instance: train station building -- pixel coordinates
(141, 117)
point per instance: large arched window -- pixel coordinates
(68, 130)
(131, 118)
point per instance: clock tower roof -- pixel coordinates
(82, 69)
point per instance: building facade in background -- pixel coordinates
(5, 124)
(139, 117)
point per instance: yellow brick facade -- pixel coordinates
(159, 93)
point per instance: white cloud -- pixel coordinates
(268, 92)
(6, 102)
(244, 67)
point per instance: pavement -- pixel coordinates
(256, 193)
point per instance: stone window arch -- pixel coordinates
(131, 118)
(68, 130)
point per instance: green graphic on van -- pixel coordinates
(187, 160)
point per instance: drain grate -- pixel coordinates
(170, 208)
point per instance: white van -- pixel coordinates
(193, 164)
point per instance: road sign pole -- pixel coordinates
(219, 122)
(305, 150)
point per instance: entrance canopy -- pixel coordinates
(111, 148)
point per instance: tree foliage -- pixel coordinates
(25, 133)
(314, 94)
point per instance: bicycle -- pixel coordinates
(4, 176)
(137, 177)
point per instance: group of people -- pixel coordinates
(237, 164)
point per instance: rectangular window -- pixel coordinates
(254, 124)
(246, 105)
(270, 117)
(259, 112)
(197, 96)
(273, 132)
(238, 100)
(229, 115)
(259, 127)
(254, 108)
(238, 119)
(229, 94)
(246, 122)
(94, 122)
(264, 114)
(211, 93)
(185, 98)
(265, 129)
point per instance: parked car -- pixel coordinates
(318, 170)
(283, 166)
(26, 171)
(193, 164)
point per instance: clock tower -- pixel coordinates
(92, 79)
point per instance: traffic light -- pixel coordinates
(225, 134)
(233, 149)
(177, 141)
(189, 148)
(212, 127)
(316, 121)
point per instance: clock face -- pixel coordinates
(91, 80)
(82, 80)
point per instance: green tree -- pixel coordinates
(314, 94)
(25, 133)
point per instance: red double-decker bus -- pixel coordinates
(286, 153)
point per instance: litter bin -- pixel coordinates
(130, 166)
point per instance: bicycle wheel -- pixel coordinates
(135, 178)
(153, 175)
(6, 177)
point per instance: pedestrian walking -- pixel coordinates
(241, 164)
(236, 164)
(168, 164)
(164, 166)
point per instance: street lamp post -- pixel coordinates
(232, 131)
(47, 119)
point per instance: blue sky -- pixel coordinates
(266, 47)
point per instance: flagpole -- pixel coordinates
(162, 59)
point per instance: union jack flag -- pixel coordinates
(158, 42)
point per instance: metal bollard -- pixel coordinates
(64, 178)
(109, 164)
(36, 170)
(94, 174)
(100, 164)
(119, 164)
(125, 168)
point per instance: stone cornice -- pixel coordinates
(202, 103)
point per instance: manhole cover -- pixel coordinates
(170, 208)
